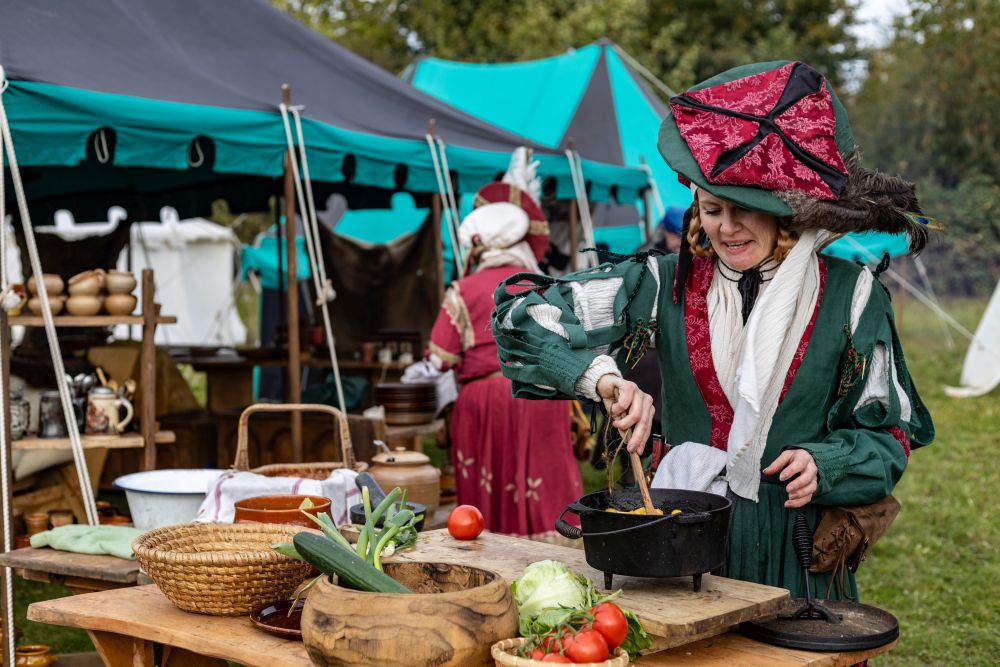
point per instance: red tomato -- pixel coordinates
(537, 654)
(610, 622)
(555, 657)
(465, 522)
(588, 646)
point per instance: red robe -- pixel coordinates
(513, 457)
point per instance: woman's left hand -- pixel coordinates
(791, 462)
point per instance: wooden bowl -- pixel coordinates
(120, 304)
(56, 303)
(119, 282)
(453, 616)
(53, 284)
(83, 305)
(88, 283)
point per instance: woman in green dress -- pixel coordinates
(781, 367)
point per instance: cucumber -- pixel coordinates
(330, 558)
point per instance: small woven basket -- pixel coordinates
(308, 470)
(220, 569)
(505, 654)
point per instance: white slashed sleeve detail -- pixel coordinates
(881, 368)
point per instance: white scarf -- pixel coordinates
(519, 254)
(752, 361)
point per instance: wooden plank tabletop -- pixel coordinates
(734, 650)
(67, 563)
(668, 608)
(143, 612)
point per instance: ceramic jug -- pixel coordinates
(104, 412)
(408, 470)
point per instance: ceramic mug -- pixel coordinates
(104, 412)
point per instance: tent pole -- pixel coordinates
(438, 246)
(294, 356)
(573, 243)
(647, 224)
(7, 580)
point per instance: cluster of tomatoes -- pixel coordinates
(585, 637)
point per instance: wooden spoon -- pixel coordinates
(638, 472)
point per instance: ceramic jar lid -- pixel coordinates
(401, 457)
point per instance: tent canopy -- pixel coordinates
(589, 95)
(192, 88)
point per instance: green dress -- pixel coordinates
(860, 451)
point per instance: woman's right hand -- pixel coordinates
(630, 407)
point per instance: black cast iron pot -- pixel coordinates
(686, 544)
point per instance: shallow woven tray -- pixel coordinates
(505, 654)
(220, 569)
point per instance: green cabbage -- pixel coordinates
(546, 585)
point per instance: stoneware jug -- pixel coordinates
(408, 470)
(104, 412)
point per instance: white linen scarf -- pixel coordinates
(752, 361)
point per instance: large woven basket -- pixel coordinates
(505, 654)
(320, 470)
(220, 569)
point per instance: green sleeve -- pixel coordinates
(856, 466)
(542, 363)
(860, 461)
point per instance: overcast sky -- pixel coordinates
(876, 17)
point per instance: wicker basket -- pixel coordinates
(307, 470)
(220, 569)
(505, 654)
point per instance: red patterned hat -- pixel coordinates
(538, 228)
(773, 137)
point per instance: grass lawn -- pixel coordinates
(937, 568)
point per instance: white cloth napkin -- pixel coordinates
(693, 467)
(234, 485)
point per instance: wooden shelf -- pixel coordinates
(92, 321)
(129, 441)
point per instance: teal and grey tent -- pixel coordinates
(591, 95)
(147, 103)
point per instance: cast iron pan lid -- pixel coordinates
(861, 627)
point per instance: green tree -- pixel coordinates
(930, 111)
(680, 42)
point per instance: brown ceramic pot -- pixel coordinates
(56, 303)
(88, 283)
(119, 282)
(53, 284)
(120, 304)
(83, 305)
(279, 509)
(411, 471)
(34, 655)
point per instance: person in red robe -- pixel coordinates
(513, 457)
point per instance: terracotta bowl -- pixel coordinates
(119, 282)
(88, 283)
(120, 304)
(83, 305)
(279, 509)
(53, 284)
(56, 303)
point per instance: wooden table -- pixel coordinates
(125, 623)
(694, 628)
(81, 573)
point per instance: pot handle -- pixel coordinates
(695, 517)
(567, 530)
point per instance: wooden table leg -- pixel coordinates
(121, 651)
(179, 657)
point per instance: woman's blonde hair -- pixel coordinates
(700, 246)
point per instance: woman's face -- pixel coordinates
(741, 238)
